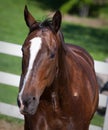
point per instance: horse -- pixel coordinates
(58, 88)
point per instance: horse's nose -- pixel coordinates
(27, 100)
(28, 105)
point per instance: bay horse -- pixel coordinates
(58, 88)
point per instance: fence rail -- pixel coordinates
(13, 80)
(10, 49)
(15, 50)
(9, 79)
(10, 110)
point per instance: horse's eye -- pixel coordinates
(52, 55)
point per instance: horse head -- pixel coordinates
(39, 61)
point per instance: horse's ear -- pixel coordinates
(28, 17)
(56, 20)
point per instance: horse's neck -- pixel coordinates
(59, 90)
(62, 84)
(64, 70)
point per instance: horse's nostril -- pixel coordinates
(28, 105)
(25, 102)
(34, 98)
(28, 100)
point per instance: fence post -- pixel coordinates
(105, 126)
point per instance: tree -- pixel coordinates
(82, 5)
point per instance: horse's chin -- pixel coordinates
(30, 110)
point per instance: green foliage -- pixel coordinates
(74, 6)
(81, 3)
(66, 7)
(70, 4)
(103, 12)
(87, 1)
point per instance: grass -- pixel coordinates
(92, 39)
(13, 29)
(97, 120)
(10, 64)
(8, 94)
(12, 25)
(11, 120)
(103, 12)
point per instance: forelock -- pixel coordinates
(47, 23)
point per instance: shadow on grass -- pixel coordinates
(94, 40)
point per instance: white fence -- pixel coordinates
(10, 110)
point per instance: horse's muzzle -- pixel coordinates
(28, 105)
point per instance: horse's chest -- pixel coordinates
(53, 124)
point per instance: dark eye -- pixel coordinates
(52, 55)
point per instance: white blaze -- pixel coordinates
(34, 49)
